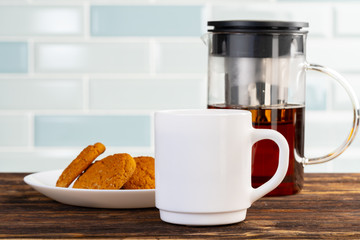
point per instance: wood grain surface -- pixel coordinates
(327, 208)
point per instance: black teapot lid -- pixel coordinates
(255, 26)
(255, 39)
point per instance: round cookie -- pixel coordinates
(79, 164)
(109, 173)
(144, 175)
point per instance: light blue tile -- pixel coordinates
(146, 21)
(317, 90)
(147, 94)
(13, 57)
(14, 130)
(40, 94)
(111, 130)
(315, 98)
(92, 57)
(182, 58)
(40, 20)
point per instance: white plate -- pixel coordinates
(44, 182)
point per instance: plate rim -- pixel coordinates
(28, 180)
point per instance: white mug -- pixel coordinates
(203, 165)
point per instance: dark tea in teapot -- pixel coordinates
(289, 121)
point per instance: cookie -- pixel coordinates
(111, 172)
(79, 164)
(144, 175)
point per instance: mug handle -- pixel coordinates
(279, 139)
(356, 111)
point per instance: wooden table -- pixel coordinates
(327, 208)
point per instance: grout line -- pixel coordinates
(333, 23)
(56, 75)
(330, 103)
(73, 148)
(41, 3)
(86, 21)
(104, 2)
(207, 14)
(79, 112)
(113, 39)
(154, 52)
(14, 3)
(152, 130)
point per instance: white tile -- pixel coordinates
(318, 15)
(341, 100)
(247, 12)
(15, 130)
(147, 94)
(327, 167)
(348, 162)
(92, 57)
(181, 57)
(338, 54)
(40, 20)
(27, 94)
(327, 131)
(347, 17)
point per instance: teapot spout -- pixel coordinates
(205, 38)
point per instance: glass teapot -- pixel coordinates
(261, 66)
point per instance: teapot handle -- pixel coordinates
(356, 111)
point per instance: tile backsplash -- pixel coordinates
(76, 72)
